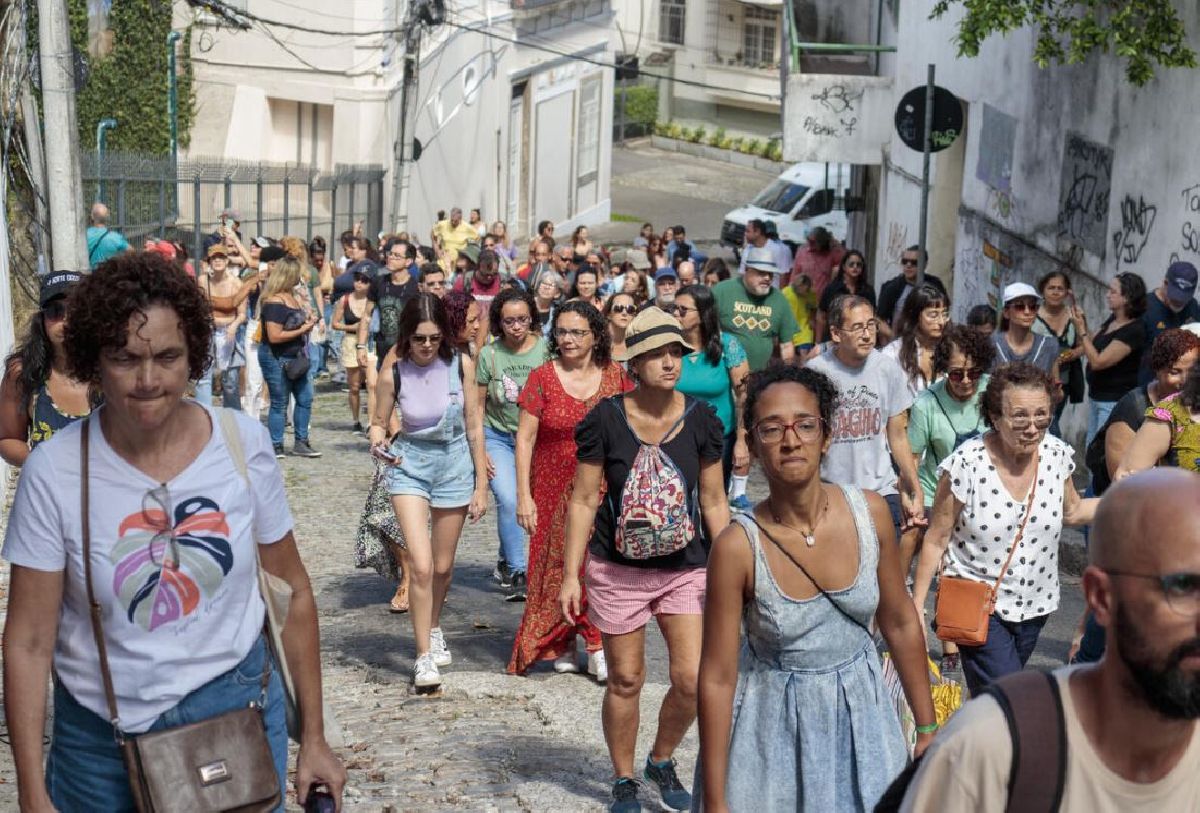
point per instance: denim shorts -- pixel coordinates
(85, 771)
(442, 473)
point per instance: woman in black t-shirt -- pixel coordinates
(626, 581)
(1114, 354)
(283, 355)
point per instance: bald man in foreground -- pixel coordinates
(1132, 739)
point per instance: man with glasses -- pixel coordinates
(1125, 728)
(893, 292)
(870, 428)
(390, 292)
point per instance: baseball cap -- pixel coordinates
(262, 242)
(57, 284)
(216, 249)
(760, 258)
(650, 329)
(664, 273)
(1020, 290)
(161, 247)
(232, 214)
(638, 258)
(271, 253)
(1181, 282)
(366, 267)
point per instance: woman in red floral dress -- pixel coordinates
(555, 399)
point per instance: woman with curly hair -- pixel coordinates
(798, 721)
(145, 505)
(503, 368)
(555, 399)
(465, 319)
(1170, 433)
(923, 318)
(38, 396)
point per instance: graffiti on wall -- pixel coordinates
(1190, 233)
(999, 264)
(897, 242)
(1137, 221)
(1085, 192)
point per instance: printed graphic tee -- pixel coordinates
(504, 373)
(169, 630)
(758, 321)
(867, 397)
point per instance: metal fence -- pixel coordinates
(147, 197)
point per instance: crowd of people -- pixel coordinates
(612, 401)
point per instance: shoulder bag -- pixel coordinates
(964, 605)
(222, 763)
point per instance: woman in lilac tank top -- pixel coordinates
(438, 474)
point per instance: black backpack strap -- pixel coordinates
(1033, 707)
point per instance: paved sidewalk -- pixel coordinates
(492, 742)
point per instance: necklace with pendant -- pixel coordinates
(810, 536)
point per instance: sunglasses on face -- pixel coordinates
(967, 374)
(430, 340)
(630, 309)
(1024, 305)
(910, 263)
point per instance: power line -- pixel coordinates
(490, 34)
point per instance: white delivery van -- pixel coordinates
(802, 197)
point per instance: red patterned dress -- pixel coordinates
(543, 634)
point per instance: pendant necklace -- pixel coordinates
(810, 535)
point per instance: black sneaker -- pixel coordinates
(357, 429)
(301, 449)
(502, 575)
(662, 774)
(516, 588)
(279, 453)
(625, 796)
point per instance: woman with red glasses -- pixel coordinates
(39, 396)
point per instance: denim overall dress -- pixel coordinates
(435, 462)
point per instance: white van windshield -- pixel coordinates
(781, 196)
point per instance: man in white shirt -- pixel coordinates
(759, 234)
(1132, 743)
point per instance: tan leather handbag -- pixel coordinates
(220, 764)
(964, 605)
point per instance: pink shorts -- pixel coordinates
(621, 598)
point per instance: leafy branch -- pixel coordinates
(1145, 33)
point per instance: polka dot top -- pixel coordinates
(984, 531)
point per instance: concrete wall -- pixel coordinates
(1067, 165)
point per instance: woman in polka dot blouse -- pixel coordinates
(984, 490)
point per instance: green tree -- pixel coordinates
(130, 83)
(1145, 33)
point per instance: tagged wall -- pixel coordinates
(1067, 166)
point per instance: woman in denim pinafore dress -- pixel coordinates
(438, 474)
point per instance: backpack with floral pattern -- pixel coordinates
(655, 516)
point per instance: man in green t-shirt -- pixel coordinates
(751, 309)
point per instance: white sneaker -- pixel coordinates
(438, 648)
(425, 672)
(597, 666)
(567, 663)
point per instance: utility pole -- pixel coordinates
(64, 179)
(404, 128)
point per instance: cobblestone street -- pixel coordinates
(491, 742)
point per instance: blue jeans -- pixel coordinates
(1098, 412)
(231, 391)
(316, 357)
(1093, 643)
(281, 388)
(84, 770)
(502, 448)
(1009, 645)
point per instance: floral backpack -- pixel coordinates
(655, 515)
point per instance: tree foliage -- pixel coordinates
(129, 84)
(1145, 33)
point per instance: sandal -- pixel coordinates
(399, 602)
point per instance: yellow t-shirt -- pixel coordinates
(453, 238)
(803, 308)
(967, 767)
